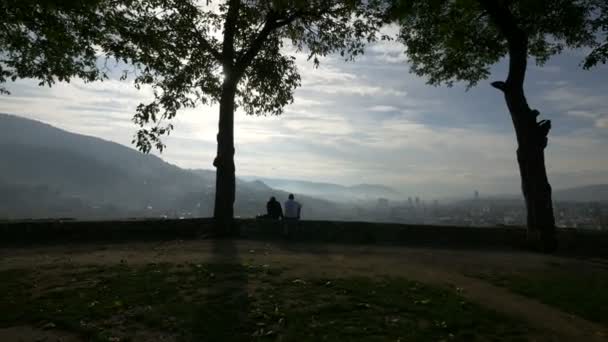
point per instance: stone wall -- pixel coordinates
(572, 242)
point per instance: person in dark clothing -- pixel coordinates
(274, 210)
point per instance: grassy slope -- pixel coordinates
(193, 302)
(583, 292)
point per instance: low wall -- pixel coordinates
(571, 241)
(66, 231)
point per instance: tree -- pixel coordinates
(50, 40)
(600, 52)
(232, 55)
(459, 40)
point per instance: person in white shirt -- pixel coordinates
(292, 208)
(291, 213)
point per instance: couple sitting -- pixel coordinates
(292, 209)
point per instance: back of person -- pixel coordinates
(292, 208)
(274, 209)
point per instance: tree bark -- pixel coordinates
(225, 181)
(531, 135)
(532, 140)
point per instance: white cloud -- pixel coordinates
(383, 108)
(351, 123)
(574, 99)
(358, 89)
(582, 114)
(390, 52)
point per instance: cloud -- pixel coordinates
(602, 123)
(383, 108)
(390, 52)
(358, 89)
(574, 99)
(588, 107)
(365, 122)
(582, 114)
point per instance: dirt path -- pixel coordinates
(433, 266)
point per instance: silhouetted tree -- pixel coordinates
(50, 40)
(231, 54)
(460, 40)
(600, 23)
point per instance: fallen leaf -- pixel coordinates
(49, 325)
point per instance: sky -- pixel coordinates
(368, 121)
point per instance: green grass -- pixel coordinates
(194, 302)
(582, 292)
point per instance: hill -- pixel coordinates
(588, 193)
(49, 172)
(332, 192)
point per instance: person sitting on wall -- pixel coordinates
(273, 209)
(293, 209)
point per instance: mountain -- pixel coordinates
(589, 193)
(332, 192)
(586, 193)
(49, 172)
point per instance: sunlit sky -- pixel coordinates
(368, 121)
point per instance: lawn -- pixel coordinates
(228, 302)
(582, 292)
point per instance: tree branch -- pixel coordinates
(271, 25)
(205, 45)
(517, 40)
(229, 33)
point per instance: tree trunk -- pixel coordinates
(225, 184)
(531, 135)
(532, 140)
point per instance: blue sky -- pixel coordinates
(370, 121)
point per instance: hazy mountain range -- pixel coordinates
(49, 172)
(590, 193)
(333, 192)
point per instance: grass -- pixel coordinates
(582, 292)
(223, 302)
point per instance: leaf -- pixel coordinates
(49, 325)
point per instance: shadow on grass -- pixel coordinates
(224, 315)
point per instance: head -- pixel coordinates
(290, 196)
(272, 199)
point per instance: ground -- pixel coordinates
(278, 291)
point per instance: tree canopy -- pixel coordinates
(450, 41)
(51, 40)
(179, 48)
(599, 55)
